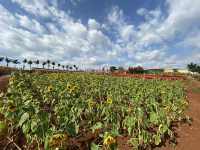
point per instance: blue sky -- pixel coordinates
(98, 33)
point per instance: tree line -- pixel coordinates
(138, 69)
(45, 64)
(193, 67)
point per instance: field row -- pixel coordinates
(56, 110)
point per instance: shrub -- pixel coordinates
(137, 69)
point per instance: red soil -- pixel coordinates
(151, 76)
(3, 82)
(189, 136)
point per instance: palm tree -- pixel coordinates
(48, 62)
(37, 62)
(1, 59)
(30, 63)
(24, 62)
(63, 67)
(43, 64)
(53, 64)
(70, 68)
(67, 67)
(59, 66)
(8, 61)
(76, 68)
(15, 62)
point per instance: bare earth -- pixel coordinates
(3, 82)
(188, 136)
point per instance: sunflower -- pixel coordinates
(108, 140)
(50, 88)
(91, 103)
(57, 140)
(109, 100)
(71, 90)
(69, 86)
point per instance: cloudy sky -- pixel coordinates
(152, 33)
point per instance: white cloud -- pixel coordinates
(30, 24)
(115, 41)
(153, 55)
(36, 7)
(93, 24)
(183, 15)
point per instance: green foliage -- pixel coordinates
(120, 68)
(156, 71)
(137, 69)
(113, 68)
(72, 103)
(194, 67)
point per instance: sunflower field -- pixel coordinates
(54, 111)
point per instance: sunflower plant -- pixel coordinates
(53, 108)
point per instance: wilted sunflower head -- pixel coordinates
(50, 88)
(69, 86)
(11, 107)
(109, 100)
(108, 140)
(57, 140)
(91, 103)
(129, 109)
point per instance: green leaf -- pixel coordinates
(157, 139)
(95, 147)
(46, 143)
(77, 128)
(23, 119)
(153, 117)
(98, 125)
(134, 142)
(26, 127)
(34, 125)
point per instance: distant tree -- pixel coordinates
(15, 61)
(24, 63)
(154, 71)
(53, 64)
(8, 61)
(175, 70)
(43, 65)
(131, 70)
(70, 67)
(30, 62)
(48, 62)
(1, 59)
(76, 68)
(37, 62)
(113, 68)
(67, 67)
(63, 66)
(137, 69)
(59, 66)
(193, 67)
(120, 68)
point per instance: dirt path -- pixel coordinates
(189, 136)
(3, 82)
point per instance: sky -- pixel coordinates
(98, 33)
